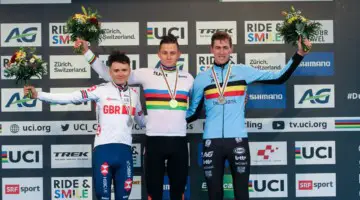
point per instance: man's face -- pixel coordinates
(169, 54)
(119, 72)
(221, 50)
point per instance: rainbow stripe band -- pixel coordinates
(159, 99)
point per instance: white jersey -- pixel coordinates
(113, 108)
(162, 120)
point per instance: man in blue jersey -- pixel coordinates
(222, 88)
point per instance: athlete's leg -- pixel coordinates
(177, 167)
(238, 154)
(213, 165)
(102, 171)
(154, 166)
(123, 173)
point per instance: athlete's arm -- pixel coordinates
(74, 97)
(139, 114)
(255, 75)
(196, 100)
(100, 68)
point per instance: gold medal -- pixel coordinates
(173, 103)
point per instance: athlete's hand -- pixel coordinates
(301, 51)
(85, 45)
(34, 93)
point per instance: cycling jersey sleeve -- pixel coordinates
(196, 100)
(101, 69)
(252, 74)
(74, 97)
(139, 115)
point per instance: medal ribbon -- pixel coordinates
(221, 90)
(172, 95)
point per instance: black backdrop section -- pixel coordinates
(346, 58)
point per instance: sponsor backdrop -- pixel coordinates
(303, 134)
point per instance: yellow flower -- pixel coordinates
(32, 60)
(291, 20)
(303, 19)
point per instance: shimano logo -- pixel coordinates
(266, 96)
(315, 64)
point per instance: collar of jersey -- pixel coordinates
(222, 66)
(168, 69)
(121, 87)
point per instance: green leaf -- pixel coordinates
(84, 10)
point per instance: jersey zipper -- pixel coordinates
(222, 77)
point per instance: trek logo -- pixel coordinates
(71, 156)
(315, 152)
(205, 61)
(22, 34)
(155, 30)
(314, 96)
(268, 185)
(205, 30)
(21, 156)
(316, 185)
(13, 100)
(182, 63)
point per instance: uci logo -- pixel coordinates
(27, 156)
(239, 150)
(27, 35)
(159, 32)
(319, 152)
(322, 96)
(21, 102)
(272, 185)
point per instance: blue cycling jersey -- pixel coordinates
(228, 120)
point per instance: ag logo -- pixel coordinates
(314, 96)
(22, 34)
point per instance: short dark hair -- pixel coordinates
(169, 39)
(221, 35)
(117, 56)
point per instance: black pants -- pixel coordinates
(236, 151)
(157, 150)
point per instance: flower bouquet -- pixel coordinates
(25, 64)
(296, 25)
(85, 26)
